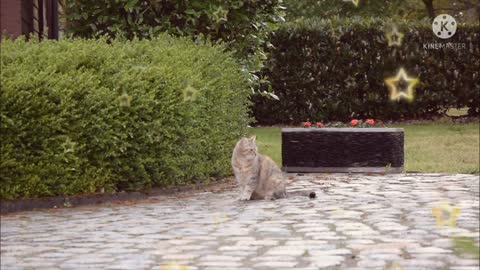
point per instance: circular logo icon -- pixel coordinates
(444, 26)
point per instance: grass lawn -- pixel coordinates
(429, 147)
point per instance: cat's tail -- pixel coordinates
(311, 194)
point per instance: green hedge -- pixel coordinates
(79, 116)
(243, 25)
(335, 70)
(329, 9)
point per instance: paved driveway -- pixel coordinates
(356, 222)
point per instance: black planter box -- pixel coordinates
(342, 150)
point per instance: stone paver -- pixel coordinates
(356, 222)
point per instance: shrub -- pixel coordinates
(81, 115)
(329, 9)
(386, 9)
(328, 70)
(243, 25)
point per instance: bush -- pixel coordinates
(243, 25)
(82, 115)
(329, 9)
(328, 70)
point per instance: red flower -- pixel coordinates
(307, 124)
(354, 122)
(320, 124)
(371, 122)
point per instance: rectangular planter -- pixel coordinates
(342, 150)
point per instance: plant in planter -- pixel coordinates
(357, 146)
(353, 123)
(307, 124)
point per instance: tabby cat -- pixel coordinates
(257, 175)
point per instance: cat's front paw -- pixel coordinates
(245, 194)
(270, 198)
(244, 197)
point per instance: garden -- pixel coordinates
(126, 101)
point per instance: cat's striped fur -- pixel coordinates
(257, 175)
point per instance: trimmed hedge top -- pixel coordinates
(84, 115)
(244, 26)
(334, 70)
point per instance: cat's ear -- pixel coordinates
(253, 138)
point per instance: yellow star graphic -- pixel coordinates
(68, 146)
(220, 218)
(173, 266)
(338, 212)
(394, 266)
(125, 100)
(355, 2)
(446, 214)
(220, 14)
(394, 38)
(190, 93)
(401, 77)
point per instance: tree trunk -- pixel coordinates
(430, 9)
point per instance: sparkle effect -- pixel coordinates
(394, 266)
(355, 2)
(190, 93)
(220, 218)
(338, 212)
(125, 100)
(446, 214)
(220, 15)
(68, 146)
(394, 38)
(173, 266)
(403, 92)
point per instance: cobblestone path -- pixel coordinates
(356, 222)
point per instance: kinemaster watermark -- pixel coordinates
(444, 26)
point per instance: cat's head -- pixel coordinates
(249, 146)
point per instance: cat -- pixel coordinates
(257, 175)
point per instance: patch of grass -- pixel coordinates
(440, 146)
(269, 142)
(466, 246)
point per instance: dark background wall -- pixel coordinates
(10, 17)
(24, 17)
